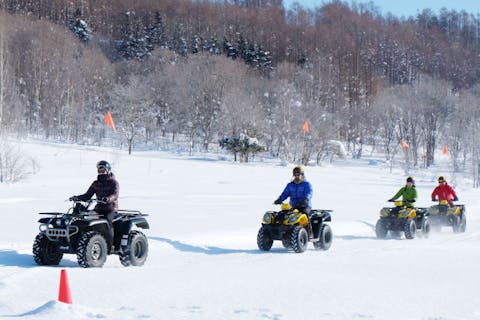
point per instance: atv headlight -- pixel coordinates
(406, 213)
(44, 227)
(58, 223)
(267, 218)
(384, 212)
(293, 218)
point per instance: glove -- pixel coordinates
(455, 199)
(434, 200)
(278, 201)
(73, 198)
(391, 200)
(412, 201)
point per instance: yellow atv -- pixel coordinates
(402, 218)
(443, 214)
(295, 229)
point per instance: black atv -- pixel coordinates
(402, 218)
(295, 229)
(443, 214)
(86, 233)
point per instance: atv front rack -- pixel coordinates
(54, 233)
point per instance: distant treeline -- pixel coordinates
(203, 70)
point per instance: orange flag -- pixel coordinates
(404, 144)
(306, 127)
(444, 150)
(109, 120)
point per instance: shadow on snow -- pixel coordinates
(11, 258)
(184, 247)
(354, 237)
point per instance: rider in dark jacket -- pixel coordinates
(106, 189)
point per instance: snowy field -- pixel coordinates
(204, 262)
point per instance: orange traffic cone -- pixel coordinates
(64, 290)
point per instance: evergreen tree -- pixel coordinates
(155, 33)
(195, 47)
(242, 144)
(264, 60)
(242, 47)
(80, 27)
(137, 40)
(229, 49)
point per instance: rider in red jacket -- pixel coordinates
(444, 192)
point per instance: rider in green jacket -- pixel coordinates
(408, 193)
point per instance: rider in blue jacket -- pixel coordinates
(299, 190)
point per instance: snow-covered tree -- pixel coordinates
(80, 27)
(241, 144)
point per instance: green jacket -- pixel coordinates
(408, 194)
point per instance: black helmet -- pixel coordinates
(104, 164)
(410, 179)
(441, 179)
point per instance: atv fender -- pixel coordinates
(97, 222)
(326, 215)
(140, 222)
(45, 220)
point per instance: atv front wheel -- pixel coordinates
(264, 239)
(46, 252)
(326, 238)
(410, 228)
(299, 239)
(380, 229)
(136, 251)
(92, 250)
(426, 228)
(286, 240)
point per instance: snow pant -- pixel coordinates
(109, 216)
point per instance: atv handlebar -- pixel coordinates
(89, 201)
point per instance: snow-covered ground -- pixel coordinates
(204, 262)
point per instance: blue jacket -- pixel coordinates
(298, 192)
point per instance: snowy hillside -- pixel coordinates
(204, 263)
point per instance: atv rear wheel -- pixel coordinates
(46, 252)
(410, 228)
(463, 224)
(136, 250)
(264, 239)
(299, 239)
(458, 225)
(92, 250)
(326, 238)
(380, 229)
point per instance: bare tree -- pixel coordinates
(15, 165)
(132, 102)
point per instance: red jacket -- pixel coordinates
(444, 192)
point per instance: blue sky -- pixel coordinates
(406, 7)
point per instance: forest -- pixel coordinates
(200, 75)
